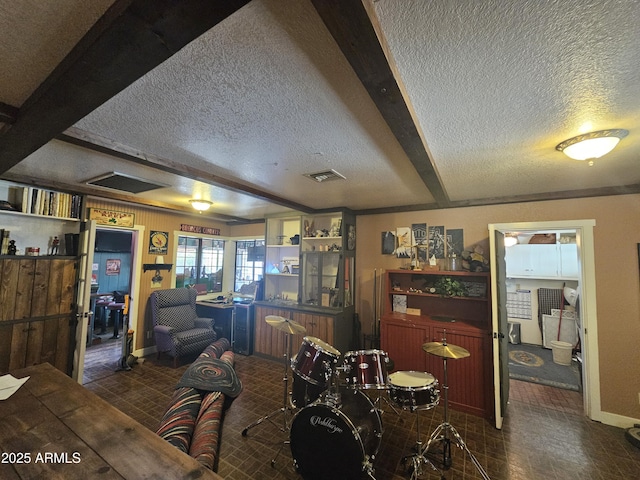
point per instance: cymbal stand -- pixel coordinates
(286, 409)
(445, 431)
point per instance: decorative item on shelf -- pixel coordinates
(11, 250)
(32, 251)
(157, 278)
(432, 265)
(449, 287)
(295, 240)
(453, 263)
(55, 243)
(309, 229)
(474, 261)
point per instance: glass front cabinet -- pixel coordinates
(327, 260)
(309, 278)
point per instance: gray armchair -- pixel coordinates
(177, 328)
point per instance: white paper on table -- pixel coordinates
(10, 385)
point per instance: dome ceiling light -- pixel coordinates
(200, 205)
(592, 145)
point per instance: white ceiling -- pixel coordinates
(267, 95)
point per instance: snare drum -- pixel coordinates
(414, 390)
(315, 361)
(366, 369)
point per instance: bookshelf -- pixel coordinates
(34, 216)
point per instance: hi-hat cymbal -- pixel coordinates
(285, 324)
(444, 350)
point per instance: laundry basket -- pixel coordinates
(561, 352)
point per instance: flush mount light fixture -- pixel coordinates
(592, 145)
(510, 240)
(200, 205)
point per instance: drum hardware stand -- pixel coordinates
(289, 327)
(445, 430)
(378, 401)
(419, 458)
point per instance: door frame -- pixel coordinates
(588, 314)
(84, 287)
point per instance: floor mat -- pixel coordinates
(532, 363)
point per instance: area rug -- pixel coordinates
(532, 363)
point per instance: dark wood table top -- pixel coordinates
(52, 428)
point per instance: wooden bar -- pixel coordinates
(52, 414)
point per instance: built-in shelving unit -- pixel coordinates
(428, 306)
(309, 278)
(35, 216)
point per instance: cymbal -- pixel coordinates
(444, 350)
(285, 324)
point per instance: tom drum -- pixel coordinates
(366, 369)
(315, 361)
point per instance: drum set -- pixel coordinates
(329, 412)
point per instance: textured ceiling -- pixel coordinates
(267, 95)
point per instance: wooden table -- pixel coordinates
(61, 430)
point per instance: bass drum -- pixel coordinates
(336, 440)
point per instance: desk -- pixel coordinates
(52, 414)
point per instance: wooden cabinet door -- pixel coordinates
(30, 343)
(465, 376)
(402, 341)
(40, 291)
(269, 340)
(319, 326)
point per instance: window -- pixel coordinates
(199, 260)
(249, 262)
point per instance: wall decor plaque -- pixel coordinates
(105, 216)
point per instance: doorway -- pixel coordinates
(543, 285)
(587, 309)
(111, 282)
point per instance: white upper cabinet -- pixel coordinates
(557, 261)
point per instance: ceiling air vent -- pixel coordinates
(124, 183)
(325, 176)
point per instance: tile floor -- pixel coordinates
(544, 435)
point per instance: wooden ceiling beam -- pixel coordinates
(132, 38)
(536, 197)
(351, 28)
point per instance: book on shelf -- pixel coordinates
(49, 203)
(4, 241)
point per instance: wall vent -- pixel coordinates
(325, 176)
(124, 183)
